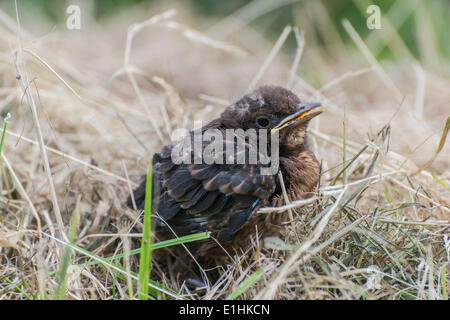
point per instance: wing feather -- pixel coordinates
(215, 197)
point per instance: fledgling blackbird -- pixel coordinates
(224, 197)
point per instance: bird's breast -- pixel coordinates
(301, 173)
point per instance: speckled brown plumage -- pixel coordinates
(224, 198)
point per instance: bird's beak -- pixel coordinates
(304, 113)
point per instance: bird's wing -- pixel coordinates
(200, 196)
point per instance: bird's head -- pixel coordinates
(274, 108)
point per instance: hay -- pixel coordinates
(93, 108)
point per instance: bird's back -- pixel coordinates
(194, 197)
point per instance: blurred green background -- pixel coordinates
(407, 17)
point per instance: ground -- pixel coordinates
(105, 97)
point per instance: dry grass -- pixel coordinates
(104, 102)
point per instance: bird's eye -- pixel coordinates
(263, 121)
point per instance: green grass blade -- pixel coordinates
(67, 254)
(18, 287)
(181, 240)
(388, 199)
(442, 183)
(5, 124)
(155, 246)
(244, 285)
(146, 248)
